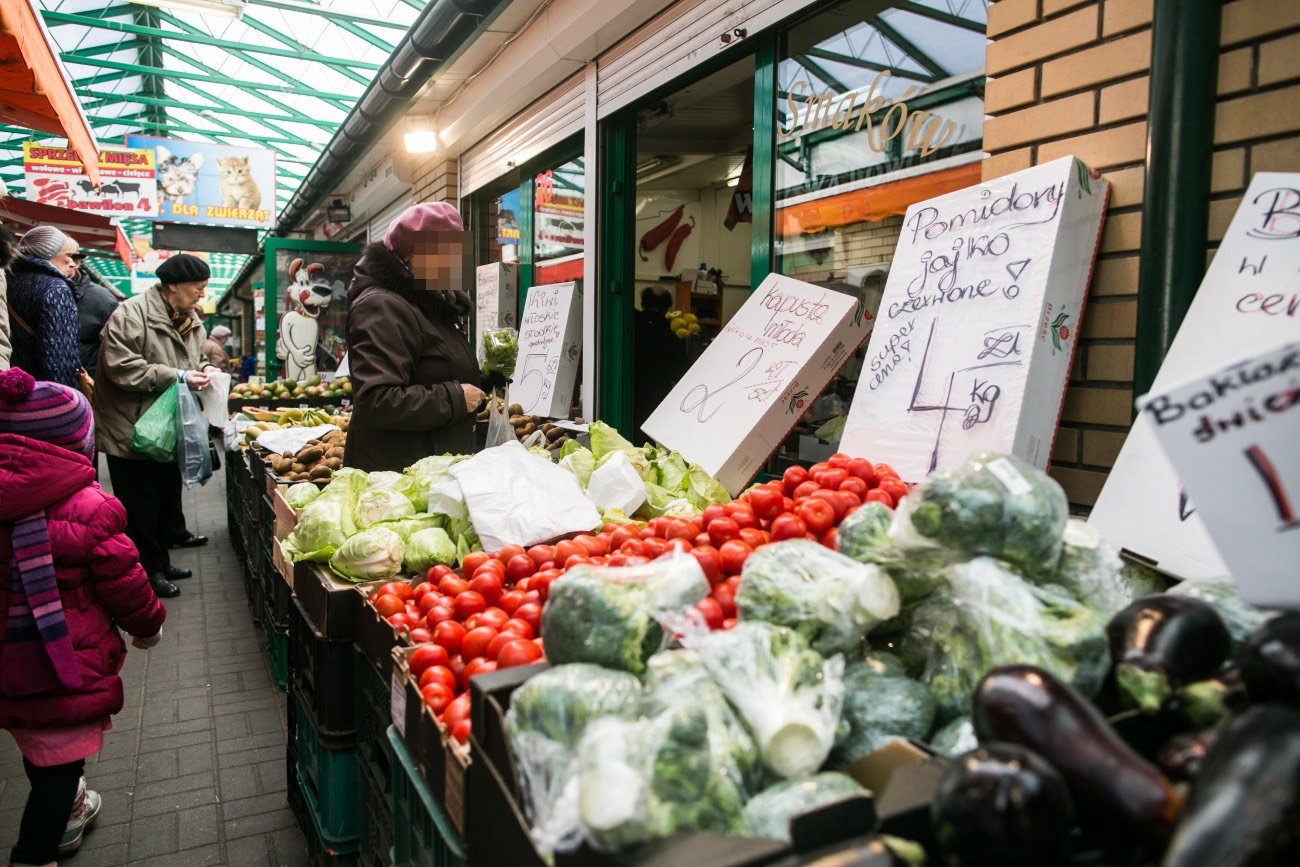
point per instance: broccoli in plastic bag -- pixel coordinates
(955, 738)
(864, 536)
(787, 695)
(879, 708)
(829, 599)
(616, 616)
(545, 722)
(1093, 572)
(768, 813)
(986, 616)
(1238, 615)
(499, 351)
(992, 504)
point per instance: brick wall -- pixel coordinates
(1070, 77)
(855, 244)
(435, 180)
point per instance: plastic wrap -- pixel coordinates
(992, 504)
(879, 708)
(986, 616)
(1093, 572)
(955, 738)
(192, 444)
(864, 536)
(827, 598)
(616, 616)
(545, 722)
(499, 351)
(1238, 615)
(768, 813)
(787, 695)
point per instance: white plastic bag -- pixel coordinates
(215, 397)
(499, 430)
(616, 485)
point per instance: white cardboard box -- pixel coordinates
(496, 298)
(977, 327)
(738, 402)
(1248, 301)
(550, 336)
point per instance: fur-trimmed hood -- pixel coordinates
(381, 268)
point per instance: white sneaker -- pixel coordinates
(85, 811)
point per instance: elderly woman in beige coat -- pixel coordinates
(150, 342)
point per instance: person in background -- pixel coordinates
(95, 303)
(42, 307)
(248, 368)
(151, 341)
(72, 580)
(8, 249)
(659, 358)
(214, 348)
(413, 369)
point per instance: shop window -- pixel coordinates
(559, 202)
(327, 307)
(495, 219)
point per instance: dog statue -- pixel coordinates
(308, 294)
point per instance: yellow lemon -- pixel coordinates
(678, 323)
(683, 333)
(693, 328)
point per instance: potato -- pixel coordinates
(554, 433)
(334, 463)
(528, 428)
(516, 409)
(321, 472)
(299, 467)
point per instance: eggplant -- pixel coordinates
(1270, 661)
(1001, 805)
(1244, 809)
(1161, 642)
(1116, 792)
(1183, 757)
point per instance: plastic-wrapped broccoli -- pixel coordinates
(826, 597)
(615, 616)
(1093, 572)
(879, 708)
(992, 504)
(787, 695)
(864, 536)
(499, 351)
(545, 723)
(987, 616)
(1238, 615)
(768, 813)
(955, 738)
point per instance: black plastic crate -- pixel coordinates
(253, 590)
(279, 597)
(376, 818)
(374, 716)
(322, 674)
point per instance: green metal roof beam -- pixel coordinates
(177, 74)
(203, 39)
(913, 51)
(102, 78)
(824, 54)
(122, 44)
(215, 109)
(818, 70)
(362, 33)
(173, 126)
(235, 110)
(329, 99)
(939, 15)
(294, 44)
(331, 14)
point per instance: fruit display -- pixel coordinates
(269, 420)
(554, 437)
(683, 324)
(316, 461)
(290, 389)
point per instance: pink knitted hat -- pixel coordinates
(46, 411)
(420, 221)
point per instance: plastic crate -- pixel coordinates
(277, 649)
(253, 590)
(279, 596)
(374, 716)
(327, 770)
(324, 849)
(322, 673)
(376, 819)
(422, 833)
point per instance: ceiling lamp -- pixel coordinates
(420, 136)
(223, 8)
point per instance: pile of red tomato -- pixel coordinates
(488, 615)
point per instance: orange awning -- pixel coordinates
(871, 204)
(34, 87)
(89, 230)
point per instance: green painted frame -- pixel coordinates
(271, 298)
(556, 155)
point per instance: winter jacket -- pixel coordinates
(407, 358)
(95, 304)
(215, 354)
(140, 354)
(42, 297)
(101, 585)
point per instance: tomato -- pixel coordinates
(387, 604)
(474, 668)
(788, 526)
(876, 495)
(530, 613)
(425, 656)
(622, 535)
(476, 642)
(676, 528)
(734, 553)
(633, 548)
(854, 485)
(793, 477)
(725, 594)
(402, 622)
(654, 547)
(472, 561)
(765, 501)
(457, 666)
(817, 515)
(510, 601)
(421, 635)
(720, 530)
(861, 468)
(423, 589)
(848, 502)
(461, 731)
(502, 639)
(819, 467)
(711, 512)
(428, 601)
(679, 544)
(457, 711)
(566, 548)
(807, 489)
(576, 560)
(453, 585)
(831, 537)
(710, 562)
(711, 611)
(493, 617)
(521, 628)
(754, 537)
(468, 603)
(703, 540)
(728, 623)
(594, 546)
(439, 674)
(439, 614)
(437, 696)
(400, 589)
(833, 498)
(894, 488)
(831, 478)
(743, 515)
(449, 634)
(521, 651)
(884, 471)
(519, 567)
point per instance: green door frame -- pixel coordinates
(556, 155)
(271, 296)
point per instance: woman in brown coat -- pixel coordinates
(414, 373)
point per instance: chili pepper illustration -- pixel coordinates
(656, 236)
(675, 244)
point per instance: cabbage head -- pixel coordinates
(371, 555)
(299, 495)
(702, 489)
(324, 525)
(381, 504)
(578, 460)
(427, 548)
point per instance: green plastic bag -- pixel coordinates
(154, 435)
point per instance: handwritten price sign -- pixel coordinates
(738, 402)
(549, 335)
(1232, 439)
(1249, 299)
(976, 328)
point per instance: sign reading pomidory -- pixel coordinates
(1233, 438)
(201, 182)
(56, 176)
(550, 332)
(1249, 299)
(738, 402)
(978, 323)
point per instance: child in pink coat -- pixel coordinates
(69, 579)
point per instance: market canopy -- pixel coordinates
(91, 231)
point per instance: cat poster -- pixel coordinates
(219, 185)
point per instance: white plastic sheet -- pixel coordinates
(616, 485)
(291, 439)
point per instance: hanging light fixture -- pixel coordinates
(223, 8)
(420, 136)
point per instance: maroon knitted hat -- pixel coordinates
(420, 221)
(46, 411)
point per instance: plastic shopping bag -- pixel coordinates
(154, 435)
(499, 430)
(192, 452)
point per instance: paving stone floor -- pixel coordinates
(193, 771)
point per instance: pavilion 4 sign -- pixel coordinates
(211, 183)
(56, 176)
(976, 330)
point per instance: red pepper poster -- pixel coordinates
(56, 176)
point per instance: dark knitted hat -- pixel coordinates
(182, 268)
